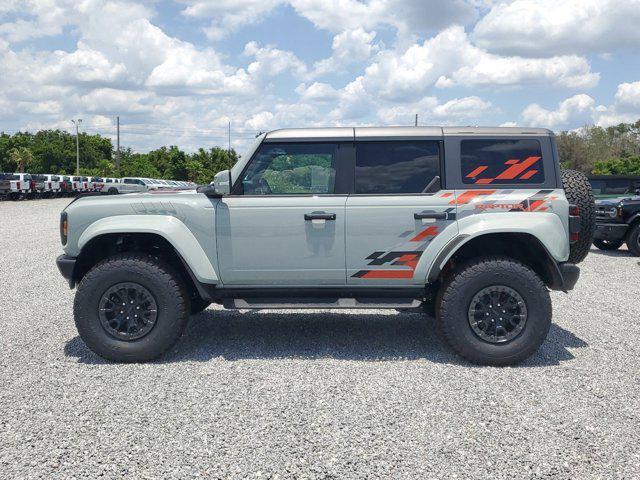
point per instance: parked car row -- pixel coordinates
(18, 186)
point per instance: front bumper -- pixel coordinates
(67, 266)
(613, 232)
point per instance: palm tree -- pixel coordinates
(22, 157)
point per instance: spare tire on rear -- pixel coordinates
(578, 192)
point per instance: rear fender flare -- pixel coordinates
(546, 227)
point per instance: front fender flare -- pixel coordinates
(168, 227)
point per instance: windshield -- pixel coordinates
(240, 164)
(9, 176)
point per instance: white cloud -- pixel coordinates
(625, 109)
(409, 17)
(450, 59)
(462, 108)
(430, 110)
(348, 47)
(576, 110)
(227, 16)
(317, 92)
(271, 61)
(557, 27)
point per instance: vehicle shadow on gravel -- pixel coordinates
(234, 335)
(612, 253)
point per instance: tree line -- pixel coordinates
(591, 149)
(54, 151)
(602, 151)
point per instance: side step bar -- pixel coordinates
(320, 302)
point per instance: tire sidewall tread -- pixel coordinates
(162, 282)
(465, 282)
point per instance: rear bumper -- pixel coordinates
(67, 265)
(610, 231)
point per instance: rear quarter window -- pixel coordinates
(496, 162)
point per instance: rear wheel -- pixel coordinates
(112, 191)
(131, 308)
(633, 240)
(578, 192)
(607, 244)
(494, 311)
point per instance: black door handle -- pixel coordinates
(433, 215)
(319, 216)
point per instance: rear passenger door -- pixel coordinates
(398, 217)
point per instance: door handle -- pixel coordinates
(319, 216)
(433, 215)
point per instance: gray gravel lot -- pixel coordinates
(367, 394)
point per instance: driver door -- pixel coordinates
(284, 224)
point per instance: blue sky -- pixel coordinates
(177, 71)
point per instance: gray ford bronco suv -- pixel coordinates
(473, 225)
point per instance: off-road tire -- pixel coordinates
(164, 284)
(633, 239)
(112, 191)
(578, 192)
(465, 282)
(607, 244)
(198, 305)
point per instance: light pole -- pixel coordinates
(77, 124)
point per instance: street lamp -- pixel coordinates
(77, 124)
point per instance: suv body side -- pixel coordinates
(390, 239)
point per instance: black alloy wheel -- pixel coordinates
(128, 311)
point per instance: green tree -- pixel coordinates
(22, 158)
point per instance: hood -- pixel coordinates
(615, 200)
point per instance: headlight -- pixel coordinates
(613, 211)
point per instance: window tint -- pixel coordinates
(291, 168)
(396, 167)
(501, 161)
(129, 180)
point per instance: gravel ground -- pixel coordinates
(367, 394)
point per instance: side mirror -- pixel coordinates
(220, 186)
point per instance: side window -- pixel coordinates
(396, 167)
(494, 162)
(128, 180)
(291, 168)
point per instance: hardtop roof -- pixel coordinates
(381, 133)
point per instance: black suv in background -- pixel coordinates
(618, 221)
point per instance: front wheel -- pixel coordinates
(131, 308)
(607, 244)
(494, 311)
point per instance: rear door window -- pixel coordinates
(496, 162)
(397, 167)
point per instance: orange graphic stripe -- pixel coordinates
(516, 169)
(534, 205)
(431, 231)
(469, 195)
(389, 274)
(484, 181)
(528, 174)
(477, 171)
(511, 162)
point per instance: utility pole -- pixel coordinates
(118, 144)
(416, 119)
(77, 124)
(229, 149)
